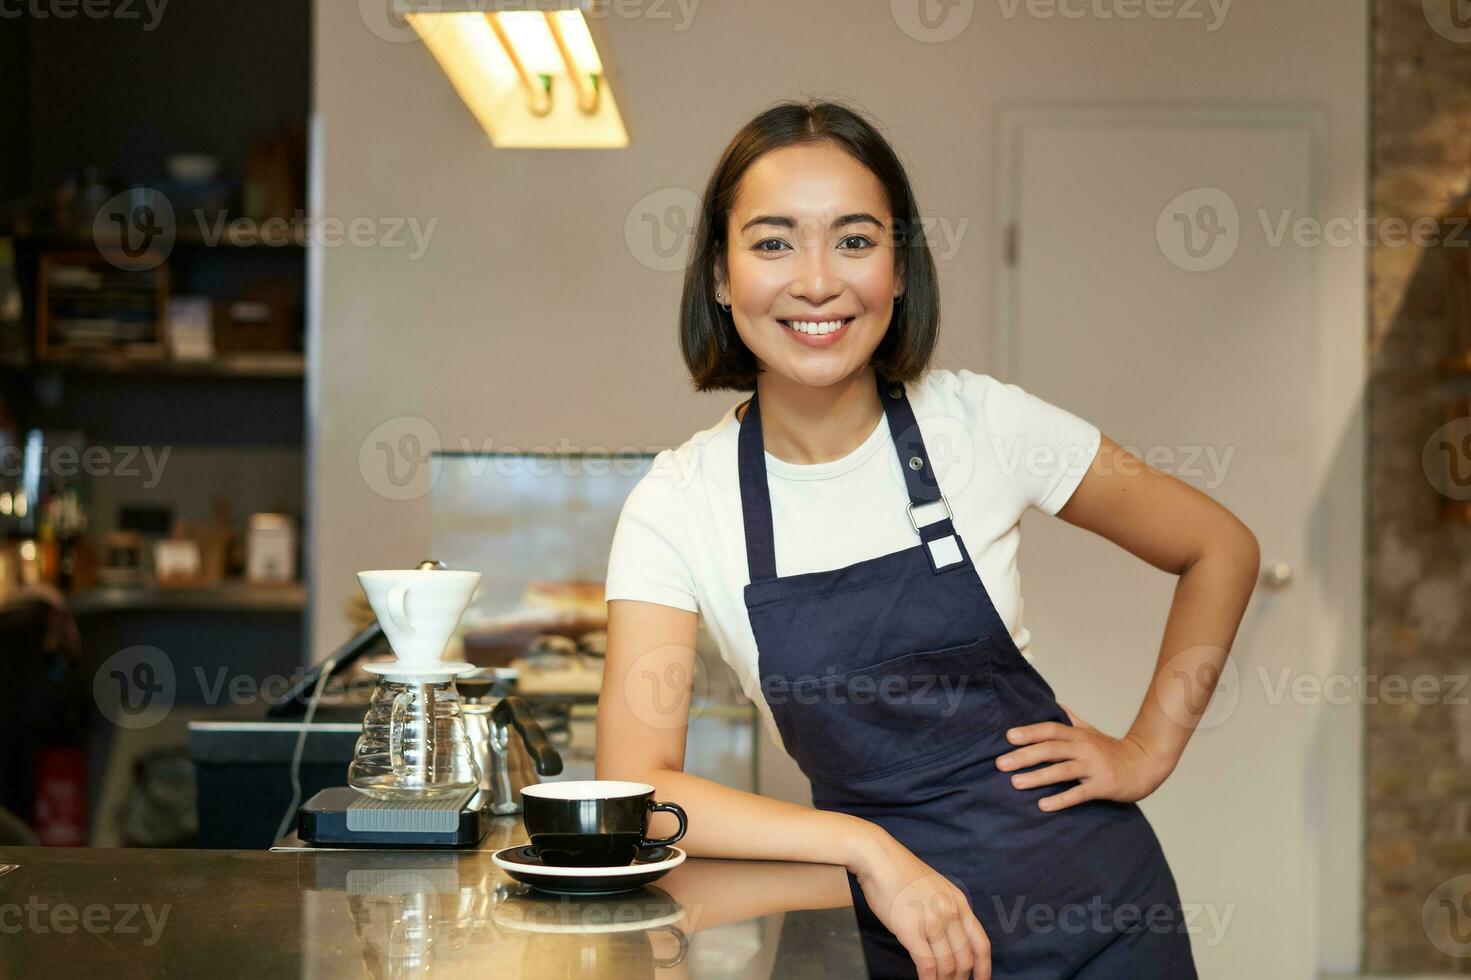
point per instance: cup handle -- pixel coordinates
(680, 954)
(398, 607)
(675, 809)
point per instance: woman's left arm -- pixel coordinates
(1177, 529)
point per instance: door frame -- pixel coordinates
(1334, 574)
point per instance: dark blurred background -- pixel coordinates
(121, 434)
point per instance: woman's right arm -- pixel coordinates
(643, 715)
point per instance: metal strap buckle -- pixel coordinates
(915, 524)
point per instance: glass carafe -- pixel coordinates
(414, 744)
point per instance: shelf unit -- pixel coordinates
(226, 597)
(285, 365)
(185, 236)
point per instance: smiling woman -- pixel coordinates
(849, 536)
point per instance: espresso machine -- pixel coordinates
(445, 747)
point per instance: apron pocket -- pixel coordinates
(865, 722)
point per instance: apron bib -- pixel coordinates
(893, 682)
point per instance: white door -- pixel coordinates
(1136, 298)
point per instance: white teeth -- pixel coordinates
(813, 328)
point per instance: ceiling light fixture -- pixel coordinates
(529, 71)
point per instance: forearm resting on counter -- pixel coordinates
(731, 823)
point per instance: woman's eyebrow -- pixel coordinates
(857, 218)
(769, 219)
(782, 221)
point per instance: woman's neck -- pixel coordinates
(803, 425)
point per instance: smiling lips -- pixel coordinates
(817, 333)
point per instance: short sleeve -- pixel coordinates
(1044, 447)
(647, 562)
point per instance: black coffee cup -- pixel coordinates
(594, 823)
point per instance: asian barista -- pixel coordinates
(862, 585)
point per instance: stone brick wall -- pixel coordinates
(1418, 819)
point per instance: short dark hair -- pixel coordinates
(713, 351)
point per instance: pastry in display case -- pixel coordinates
(556, 638)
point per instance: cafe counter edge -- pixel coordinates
(352, 913)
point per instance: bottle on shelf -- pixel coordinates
(13, 346)
(69, 549)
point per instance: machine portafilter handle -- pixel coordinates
(515, 712)
(293, 703)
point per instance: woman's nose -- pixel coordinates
(815, 281)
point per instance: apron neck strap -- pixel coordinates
(914, 459)
(914, 462)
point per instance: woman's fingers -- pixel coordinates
(944, 960)
(959, 945)
(1025, 734)
(949, 943)
(1065, 799)
(1050, 751)
(937, 918)
(930, 916)
(980, 945)
(919, 950)
(938, 942)
(1060, 773)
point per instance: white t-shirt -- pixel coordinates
(996, 450)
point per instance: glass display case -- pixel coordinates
(538, 527)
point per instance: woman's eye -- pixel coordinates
(761, 245)
(863, 241)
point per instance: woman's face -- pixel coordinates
(811, 260)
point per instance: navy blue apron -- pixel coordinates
(893, 682)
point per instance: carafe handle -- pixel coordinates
(396, 716)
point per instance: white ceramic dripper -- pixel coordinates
(419, 609)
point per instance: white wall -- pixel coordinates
(529, 321)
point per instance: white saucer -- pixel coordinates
(418, 672)
(521, 863)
